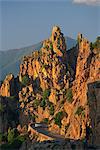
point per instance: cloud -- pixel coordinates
(88, 2)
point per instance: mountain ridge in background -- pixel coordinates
(11, 59)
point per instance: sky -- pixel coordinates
(27, 22)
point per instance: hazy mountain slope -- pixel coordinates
(70, 42)
(10, 60)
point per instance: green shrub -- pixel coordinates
(25, 80)
(83, 113)
(79, 110)
(1, 137)
(4, 137)
(21, 138)
(12, 97)
(36, 103)
(46, 94)
(46, 120)
(43, 103)
(33, 117)
(51, 109)
(2, 108)
(58, 43)
(96, 44)
(12, 133)
(91, 46)
(51, 46)
(44, 66)
(6, 146)
(15, 144)
(69, 95)
(58, 118)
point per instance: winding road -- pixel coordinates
(43, 129)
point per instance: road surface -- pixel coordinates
(45, 131)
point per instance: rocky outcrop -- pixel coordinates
(55, 87)
(53, 96)
(48, 64)
(3, 115)
(94, 74)
(56, 145)
(58, 41)
(66, 82)
(94, 113)
(7, 88)
(8, 113)
(87, 68)
(40, 136)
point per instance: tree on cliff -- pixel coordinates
(25, 80)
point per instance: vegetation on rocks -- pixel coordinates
(96, 44)
(46, 94)
(51, 46)
(12, 139)
(43, 103)
(12, 133)
(69, 95)
(36, 103)
(2, 107)
(12, 97)
(25, 80)
(46, 120)
(79, 110)
(51, 109)
(15, 144)
(54, 83)
(58, 118)
(33, 117)
(3, 137)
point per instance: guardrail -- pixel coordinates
(41, 130)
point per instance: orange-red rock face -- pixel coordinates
(7, 88)
(47, 70)
(48, 64)
(87, 71)
(49, 67)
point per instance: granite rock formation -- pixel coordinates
(55, 87)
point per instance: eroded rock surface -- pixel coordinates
(55, 89)
(67, 86)
(7, 88)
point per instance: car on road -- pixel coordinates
(41, 125)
